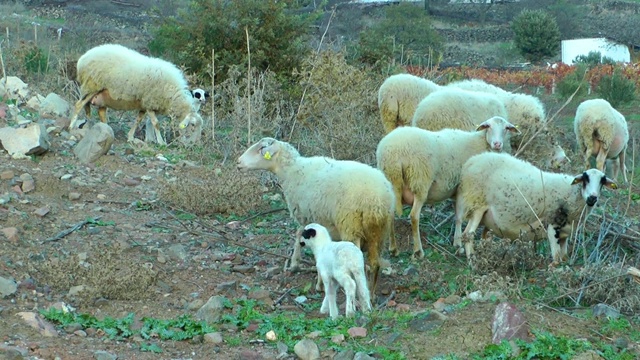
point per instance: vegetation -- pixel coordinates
(616, 88)
(537, 35)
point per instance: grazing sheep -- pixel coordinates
(338, 263)
(424, 166)
(113, 76)
(478, 85)
(398, 97)
(513, 198)
(601, 131)
(354, 201)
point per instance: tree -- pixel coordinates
(536, 34)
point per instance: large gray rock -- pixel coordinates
(211, 312)
(7, 287)
(35, 102)
(96, 142)
(306, 349)
(54, 105)
(31, 140)
(14, 89)
(509, 323)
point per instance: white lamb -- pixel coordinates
(338, 263)
(601, 131)
(200, 97)
(513, 198)
(116, 77)
(424, 166)
(398, 97)
(354, 201)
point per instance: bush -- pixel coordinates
(593, 59)
(536, 34)
(616, 88)
(277, 36)
(35, 60)
(404, 35)
(571, 81)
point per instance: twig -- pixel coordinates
(587, 286)
(262, 213)
(213, 95)
(68, 231)
(386, 300)
(281, 297)
(246, 30)
(633, 170)
(4, 72)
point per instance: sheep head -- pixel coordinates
(261, 155)
(497, 131)
(315, 235)
(592, 182)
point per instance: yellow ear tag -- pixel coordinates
(182, 126)
(267, 155)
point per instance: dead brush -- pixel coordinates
(506, 257)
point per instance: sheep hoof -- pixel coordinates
(418, 254)
(394, 252)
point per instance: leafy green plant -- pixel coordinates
(536, 34)
(593, 59)
(616, 88)
(35, 60)
(570, 83)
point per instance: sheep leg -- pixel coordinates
(622, 166)
(80, 104)
(349, 286)
(102, 113)
(459, 213)
(296, 257)
(325, 302)
(472, 225)
(331, 290)
(135, 125)
(601, 158)
(553, 244)
(363, 291)
(156, 129)
(415, 227)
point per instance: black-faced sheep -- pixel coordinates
(601, 131)
(398, 97)
(424, 166)
(116, 77)
(513, 198)
(339, 263)
(354, 201)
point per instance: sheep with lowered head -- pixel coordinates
(354, 201)
(398, 97)
(424, 166)
(338, 263)
(513, 198)
(602, 131)
(116, 77)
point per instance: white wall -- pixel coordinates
(576, 47)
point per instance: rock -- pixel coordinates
(508, 323)
(587, 355)
(300, 299)
(211, 312)
(104, 355)
(195, 304)
(604, 310)
(7, 175)
(250, 355)
(35, 102)
(28, 183)
(131, 181)
(283, 349)
(213, 338)
(229, 287)
(363, 356)
(337, 339)
(14, 89)
(475, 296)
(32, 140)
(96, 142)
(75, 290)
(35, 321)
(410, 271)
(12, 352)
(177, 252)
(348, 354)
(271, 335)
(426, 322)
(356, 332)
(11, 234)
(42, 211)
(314, 334)
(452, 300)
(55, 106)
(7, 287)
(307, 349)
(74, 196)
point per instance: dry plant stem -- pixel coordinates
(586, 286)
(4, 73)
(633, 170)
(304, 91)
(523, 146)
(279, 299)
(213, 95)
(262, 213)
(246, 30)
(68, 231)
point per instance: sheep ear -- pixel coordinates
(484, 125)
(309, 233)
(268, 150)
(207, 95)
(513, 129)
(577, 179)
(609, 183)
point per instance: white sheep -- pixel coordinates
(424, 166)
(398, 97)
(601, 131)
(338, 263)
(116, 77)
(513, 198)
(354, 201)
(200, 97)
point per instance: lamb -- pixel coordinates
(457, 109)
(398, 97)
(338, 263)
(602, 131)
(513, 198)
(113, 76)
(424, 166)
(200, 97)
(354, 201)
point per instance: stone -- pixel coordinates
(7, 175)
(37, 322)
(588, 355)
(250, 355)
(177, 252)
(74, 196)
(213, 338)
(306, 349)
(11, 233)
(8, 352)
(363, 356)
(31, 140)
(508, 323)
(96, 142)
(211, 312)
(42, 211)
(35, 102)
(104, 355)
(604, 310)
(337, 339)
(14, 89)
(426, 322)
(348, 354)
(271, 335)
(75, 290)
(7, 287)
(357, 331)
(55, 106)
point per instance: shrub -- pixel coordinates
(405, 34)
(35, 60)
(593, 59)
(277, 36)
(536, 34)
(616, 88)
(571, 81)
